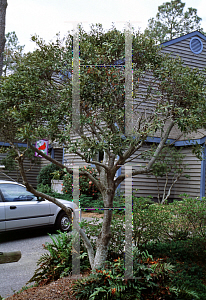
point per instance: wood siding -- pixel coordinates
(146, 185)
(182, 49)
(31, 174)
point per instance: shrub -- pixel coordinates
(45, 175)
(189, 261)
(179, 220)
(151, 281)
(117, 242)
(44, 188)
(150, 221)
(58, 262)
(192, 212)
(85, 201)
(85, 185)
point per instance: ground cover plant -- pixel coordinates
(188, 259)
(170, 266)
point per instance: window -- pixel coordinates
(15, 192)
(196, 45)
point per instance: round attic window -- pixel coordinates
(196, 45)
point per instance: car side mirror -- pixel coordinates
(40, 199)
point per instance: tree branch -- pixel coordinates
(47, 157)
(153, 159)
(160, 146)
(67, 210)
(70, 171)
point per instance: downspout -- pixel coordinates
(52, 153)
(119, 171)
(202, 176)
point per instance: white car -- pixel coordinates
(21, 209)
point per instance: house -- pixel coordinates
(191, 48)
(32, 170)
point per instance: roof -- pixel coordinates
(184, 37)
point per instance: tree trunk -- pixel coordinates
(3, 6)
(103, 240)
(105, 235)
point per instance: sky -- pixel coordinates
(48, 17)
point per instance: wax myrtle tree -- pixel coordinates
(172, 21)
(36, 102)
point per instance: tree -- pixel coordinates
(169, 166)
(12, 52)
(171, 22)
(3, 6)
(36, 102)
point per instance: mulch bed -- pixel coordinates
(57, 290)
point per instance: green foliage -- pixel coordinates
(172, 21)
(9, 161)
(188, 259)
(176, 221)
(24, 288)
(44, 188)
(149, 221)
(152, 280)
(197, 150)
(169, 165)
(117, 242)
(91, 202)
(85, 201)
(193, 213)
(86, 186)
(34, 88)
(45, 175)
(174, 269)
(58, 262)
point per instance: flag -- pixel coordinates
(43, 146)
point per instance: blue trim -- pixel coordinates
(8, 145)
(119, 171)
(19, 144)
(184, 37)
(52, 153)
(177, 143)
(190, 142)
(92, 165)
(202, 176)
(150, 139)
(63, 157)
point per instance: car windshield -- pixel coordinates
(15, 192)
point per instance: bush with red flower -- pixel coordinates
(86, 186)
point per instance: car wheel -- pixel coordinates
(63, 223)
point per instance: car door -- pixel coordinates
(23, 209)
(2, 215)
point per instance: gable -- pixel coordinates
(182, 47)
